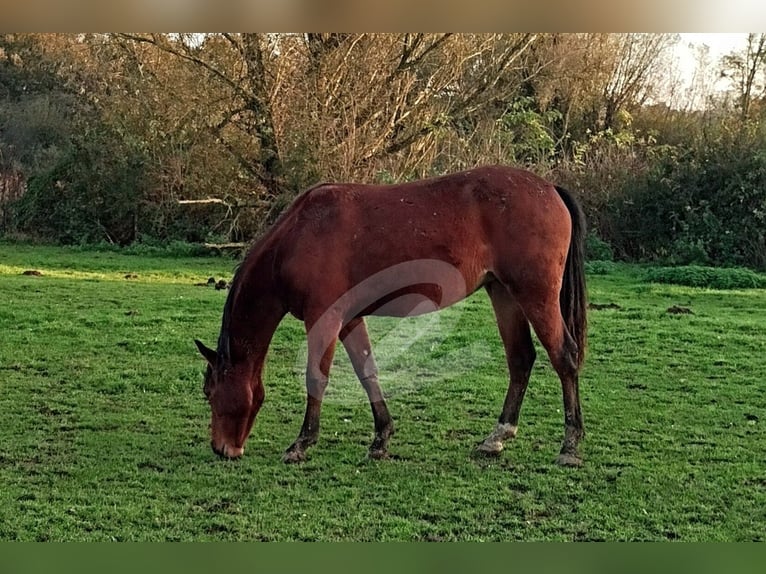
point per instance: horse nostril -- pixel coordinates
(227, 451)
(232, 453)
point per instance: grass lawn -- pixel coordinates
(104, 426)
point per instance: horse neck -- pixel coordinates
(252, 315)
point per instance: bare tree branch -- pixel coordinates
(164, 45)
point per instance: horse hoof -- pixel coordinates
(490, 448)
(294, 456)
(378, 454)
(568, 459)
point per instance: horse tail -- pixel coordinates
(573, 291)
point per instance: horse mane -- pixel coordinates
(224, 342)
(254, 252)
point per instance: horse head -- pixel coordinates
(235, 396)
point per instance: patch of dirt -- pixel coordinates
(602, 306)
(678, 310)
(131, 276)
(152, 466)
(32, 273)
(211, 282)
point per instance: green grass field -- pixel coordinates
(104, 426)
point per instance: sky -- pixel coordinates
(720, 44)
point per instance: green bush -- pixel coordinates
(604, 171)
(91, 194)
(701, 205)
(172, 248)
(688, 251)
(100, 190)
(152, 247)
(600, 267)
(596, 249)
(710, 277)
(525, 130)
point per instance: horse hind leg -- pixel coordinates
(549, 325)
(520, 357)
(357, 344)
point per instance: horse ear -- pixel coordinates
(210, 355)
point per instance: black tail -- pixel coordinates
(573, 292)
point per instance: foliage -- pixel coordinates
(705, 204)
(710, 277)
(253, 119)
(36, 110)
(603, 170)
(91, 194)
(527, 132)
(131, 124)
(151, 248)
(596, 249)
(600, 267)
(24, 69)
(105, 429)
(35, 132)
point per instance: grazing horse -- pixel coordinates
(341, 252)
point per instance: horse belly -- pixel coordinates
(406, 304)
(409, 305)
(416, 299)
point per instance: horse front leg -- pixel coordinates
(309, 433)
(357, 343)
(322, 337)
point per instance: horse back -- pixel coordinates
(452, 231)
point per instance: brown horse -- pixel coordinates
(341, 252)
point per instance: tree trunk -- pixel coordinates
(270, 173)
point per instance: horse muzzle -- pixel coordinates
(227, 451)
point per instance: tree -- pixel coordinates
(292, 109)
(635, 71)
(37, 115)
(386, 102)
(746, 71)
